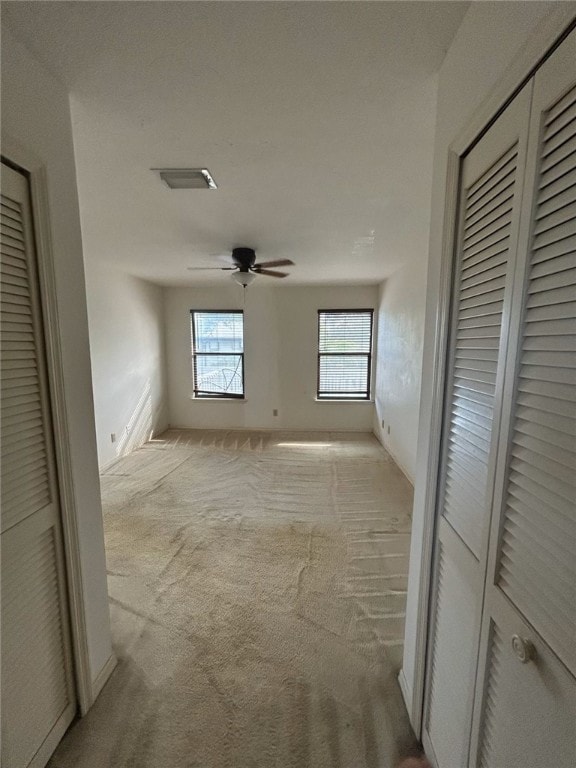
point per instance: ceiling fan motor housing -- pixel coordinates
(244, 258)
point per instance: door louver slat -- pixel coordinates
(498, 201)
(568, 180)
(559, 199)
(552, 509)
(557, 115)
(564, 154)
(501, 168)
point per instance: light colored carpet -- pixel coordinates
(257, 588)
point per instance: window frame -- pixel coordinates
(342, 396)
(196, 394)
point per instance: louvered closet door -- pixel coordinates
(37, 694)
(492, 177)
(525, 714)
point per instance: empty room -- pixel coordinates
(288, 396)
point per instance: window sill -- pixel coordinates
(342, 400)
(218, 399)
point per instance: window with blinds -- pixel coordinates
(344, 354)
(218, 353)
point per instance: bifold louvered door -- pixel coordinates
(38, 700)
(525, 710)
(489, 216)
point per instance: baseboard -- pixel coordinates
(429, 750)
(323, 430)
(154, 432)
(406, 692)
(394, 458)
(103, 676)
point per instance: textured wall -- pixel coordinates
(401, 305)
(125, 317)
(399, 364)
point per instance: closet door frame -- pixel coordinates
(25, 162)
(545, 39)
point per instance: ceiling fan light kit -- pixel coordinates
(243, 278)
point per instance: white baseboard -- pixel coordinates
(406, 693)
(103, 676)
(394, 458)
(429, 750)
(323, 430)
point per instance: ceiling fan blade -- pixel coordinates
(193, 269)
(270, 272)
(277, 263)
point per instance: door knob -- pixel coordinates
(523, 648)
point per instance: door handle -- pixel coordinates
(523, 648)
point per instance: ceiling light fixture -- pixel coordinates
(243, 278)
(186, 178)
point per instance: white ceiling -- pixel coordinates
(315, 119)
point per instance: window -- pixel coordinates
(344, 354)
(218, 353)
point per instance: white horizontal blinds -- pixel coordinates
(218, 353)
(480, 278)
(25, 479)
(35, 689)
(537, 565)
(344, 353)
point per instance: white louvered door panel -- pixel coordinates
(452, 670)
(481, 279)
(531, 590)
(37, 693)
(520, 728)
(490, 201)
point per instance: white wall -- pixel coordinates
(401, 307)
(36, 114)
(490, 38)
(280, 332)
(401, 304)
(126, 323)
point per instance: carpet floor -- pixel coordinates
(257, 591)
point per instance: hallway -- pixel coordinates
(257, 588)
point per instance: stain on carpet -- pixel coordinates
(257, 594)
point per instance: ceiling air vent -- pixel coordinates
(186, 178)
